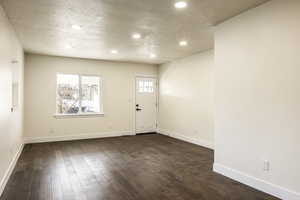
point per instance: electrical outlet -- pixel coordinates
(266, 165)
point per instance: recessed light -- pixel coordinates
(68, 46)
(152, 55)
(180, 4)
(136, 36)
(76, 27)
(183, 43)
(114, 51)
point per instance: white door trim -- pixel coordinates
(134, 98)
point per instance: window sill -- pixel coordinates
(62, 116)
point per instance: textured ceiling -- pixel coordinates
(45, 26)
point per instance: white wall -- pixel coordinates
(11, 124)
(186, 98)
(257, 84)
(40, 97)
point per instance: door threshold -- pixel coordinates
(148, 133)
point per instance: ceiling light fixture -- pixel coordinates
(152, 55)
(114, 51)
(136, 36)
(68, 46)
(180, 4)
(183, 43)
(76, 27)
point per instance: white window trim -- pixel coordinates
(81, 115)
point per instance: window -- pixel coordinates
(146, 86)
(78, 94)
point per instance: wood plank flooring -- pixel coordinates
(148, 167)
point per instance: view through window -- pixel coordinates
(146, 86)
(78, 94)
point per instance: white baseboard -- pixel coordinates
(179, 136)
(29, 140)
(10, 169)
(256, 183)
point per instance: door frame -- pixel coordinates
(134, 99)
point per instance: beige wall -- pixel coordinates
(258, 93)
(186, 98)
(11, 124)
(40, 97)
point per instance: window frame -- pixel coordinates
(80, 114)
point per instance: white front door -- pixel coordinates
(146, 105)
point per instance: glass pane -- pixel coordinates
(146, 86)
(141, 89)
(141, 83)
(67, 99)
(90, 86)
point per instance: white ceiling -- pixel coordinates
(45, 26)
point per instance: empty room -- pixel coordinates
(149, 100)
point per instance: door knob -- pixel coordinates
(138, 109)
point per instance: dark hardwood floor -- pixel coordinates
(148, 167)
